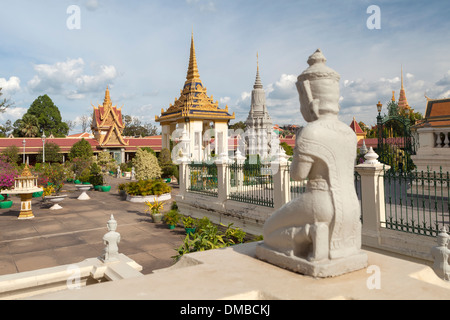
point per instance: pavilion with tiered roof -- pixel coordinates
(198, 115)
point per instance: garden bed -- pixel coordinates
(150, 198)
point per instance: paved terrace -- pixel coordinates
(74, 233)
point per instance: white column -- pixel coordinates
(372, 197)
(165, 132)
(221, 138)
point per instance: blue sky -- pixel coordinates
(141, 50)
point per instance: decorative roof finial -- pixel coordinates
(193, 69)
(107, 100)
(402, 74)
(258, 83)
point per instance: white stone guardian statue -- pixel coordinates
(319, 233)
(111, 241)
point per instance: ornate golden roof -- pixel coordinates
(108, 119)
(194, 101)
(26, 172)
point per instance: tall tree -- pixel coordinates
(49, 117)
(81, 149)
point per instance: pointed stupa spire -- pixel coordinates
(401, 68)
(258, 83)
(107, 101)
(402, 101)
(193, 69)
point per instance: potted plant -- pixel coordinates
(122, 190)
(84, 177)
(172, 218)
(189, 224)
(51, 195)
(96, 177)
(4, 202)
(155, 210)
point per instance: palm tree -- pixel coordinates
(29, 126)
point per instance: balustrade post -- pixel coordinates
(281, 182)
(223, 183)
(446, 141)
(184, 178)
(372, 197)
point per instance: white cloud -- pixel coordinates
(245, 96)
(445, 81)
(10, 86)
(203, 5)
(68, 78)
(13, 113)
(92, 5)
(284, 88)
(224, 100)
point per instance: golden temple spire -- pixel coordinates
(402, 75)
(193, 69)
(107, 101)
(402, 101)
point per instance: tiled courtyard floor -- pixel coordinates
(74, 233)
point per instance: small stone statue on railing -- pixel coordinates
(119, 172)
(111, 240)
(441, 254)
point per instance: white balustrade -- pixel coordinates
(442, 138)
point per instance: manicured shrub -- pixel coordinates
(146, 165)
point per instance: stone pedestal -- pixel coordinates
(25, 206)
(318, 269)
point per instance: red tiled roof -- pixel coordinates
(438, 108)
(437, 114)
(355, 127)
(34, 145)
(80, 135)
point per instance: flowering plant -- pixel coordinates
(48, 191)
(7, 174)
(56, 175)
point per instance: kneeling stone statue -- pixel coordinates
(319, 233)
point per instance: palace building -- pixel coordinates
(107, 128)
